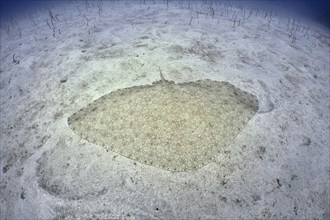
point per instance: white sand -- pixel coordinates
(277, 167)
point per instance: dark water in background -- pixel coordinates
(317, 10)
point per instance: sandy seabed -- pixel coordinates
(60, 58)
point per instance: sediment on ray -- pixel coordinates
(177, 127)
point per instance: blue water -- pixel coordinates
(317, 10)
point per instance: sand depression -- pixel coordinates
(176, 127)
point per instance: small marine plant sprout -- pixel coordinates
(161, 75)
(190, 21)
(14, 60)
(162, 78)
(293, 40)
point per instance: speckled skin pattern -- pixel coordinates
(177, 127)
